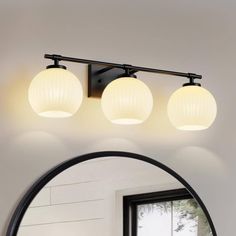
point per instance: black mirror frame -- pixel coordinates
(41, 182)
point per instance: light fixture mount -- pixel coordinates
(100, 76)
(56, 64)
(100, 73)
(191, 81)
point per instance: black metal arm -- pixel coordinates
(101, 73)
(121, 66)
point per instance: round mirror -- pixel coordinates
(111, 193)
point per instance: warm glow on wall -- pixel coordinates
(127, 101)
(55, 92)
(192, 108)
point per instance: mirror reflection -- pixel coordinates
(114, 196)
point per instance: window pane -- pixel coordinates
(176, 218)
(154, 219)
(189, 219)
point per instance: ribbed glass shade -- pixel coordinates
(55, 92)
(127, 101)
(192, 108)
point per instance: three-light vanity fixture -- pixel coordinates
(56, 92)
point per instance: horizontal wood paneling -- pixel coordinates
(85, 228)
(78, 192)
(64, 213)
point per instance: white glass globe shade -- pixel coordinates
(192, 108)
(56, 93)
(127, 101)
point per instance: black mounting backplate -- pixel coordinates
(99, 77)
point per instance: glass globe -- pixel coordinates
(192, 108)
(127, 101)
(55, 93)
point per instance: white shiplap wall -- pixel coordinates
(87, 198)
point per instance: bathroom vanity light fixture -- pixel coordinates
(56, 92)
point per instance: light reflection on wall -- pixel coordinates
(121, 144)
(37, 145)
(203, 160)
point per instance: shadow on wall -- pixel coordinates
(200, 160)
(26, 149)
(35, 143)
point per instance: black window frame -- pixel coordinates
(131, 202)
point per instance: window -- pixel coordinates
(166, 213)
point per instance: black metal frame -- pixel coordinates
(41, 182)
(101, 73)
(131, 202)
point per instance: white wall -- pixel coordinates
(78, 203)
(195, 36)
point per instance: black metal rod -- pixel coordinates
(122, 66)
